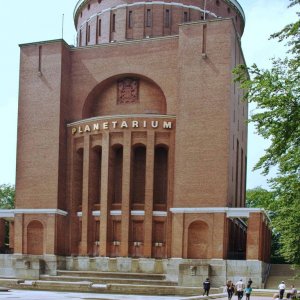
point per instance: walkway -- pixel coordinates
(41, 295)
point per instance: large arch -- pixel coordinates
(35, 238)
(197, 240)
(141, 95)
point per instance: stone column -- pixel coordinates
(126, 177)
(149, 194)
(86, 209)
(49, 234)
(19, 234)
(104, 214)
(254, 236)
(177, 235)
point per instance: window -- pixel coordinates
(113, 23)
(218, 2)
(88, 37)
(185, 17)
(148, 18)
(228, 10)
(80, 37)
(167, 18)
(99, 1)
(130, 19)
(89, 6)
(99, 27)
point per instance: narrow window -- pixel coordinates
(228, 10)
(148, 18)
(113, 22)
(40, 59)
(89, 6)
(218, 2)
(80, 38)
(167, 18)
(130, 19)
(99, 27)
(185, 17)
(89, 34)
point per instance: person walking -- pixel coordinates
(230, 289)
(250, 281)
(281, 288)
(248, 291)
(240, 286)
(206, 286)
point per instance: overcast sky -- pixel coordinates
(32, 21)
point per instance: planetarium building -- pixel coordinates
(132, 145)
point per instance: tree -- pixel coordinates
(276, 93)
(7, 196)
(7, 201)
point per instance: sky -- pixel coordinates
(35, 21)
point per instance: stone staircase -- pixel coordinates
(106, 282)
(282, 272)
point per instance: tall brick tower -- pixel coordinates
(133, 144)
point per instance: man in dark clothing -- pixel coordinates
(206, 287)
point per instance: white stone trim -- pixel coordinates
(160, 213)
(115, 212)
(40, 211)
(79, 214)
(96, 213)
(7, 213)
(231, 212)
(137, 212)
(112, 117)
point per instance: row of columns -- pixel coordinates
(87, 206)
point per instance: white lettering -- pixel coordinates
(96, 126)
(154, 124)
(87, 128)
(105, 125)
(114, 124)
(80, 129)
(135, 124)
(167, 124)
(124, 124)
(74, 130)
(145, 124)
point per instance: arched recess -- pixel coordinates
(125, 94)
(35, 238)
(138, 176)
(160, 184)
(197, 240)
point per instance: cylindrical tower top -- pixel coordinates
(103, 21)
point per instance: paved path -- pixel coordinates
(41, 295)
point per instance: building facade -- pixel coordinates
(134, 142)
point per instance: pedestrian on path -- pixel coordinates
(248, 291)
(281, 288)
(240, 286)
(230, 289)
(206, 287)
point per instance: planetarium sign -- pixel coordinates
(121, 124)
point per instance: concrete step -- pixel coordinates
(87, 286)
(282, 272)
(127, 275)
(108, 280)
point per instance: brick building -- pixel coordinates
(133, 144)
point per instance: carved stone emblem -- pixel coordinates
(128, 91)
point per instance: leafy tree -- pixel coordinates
(276, 93)
(7, 196)
(7, 200)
